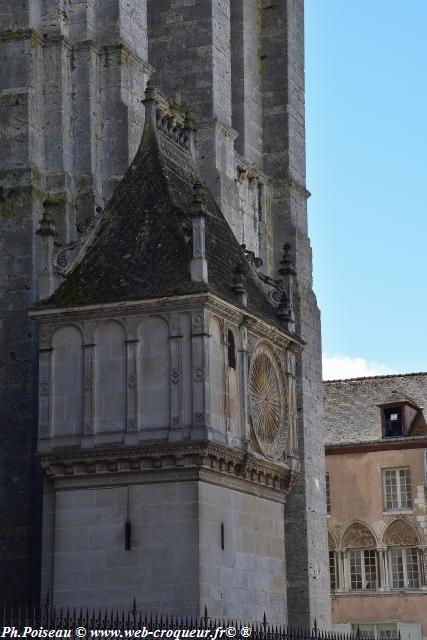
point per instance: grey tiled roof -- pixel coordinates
(351, 406)
(139, 250)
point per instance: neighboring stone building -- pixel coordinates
(71, 92)
(376, 456)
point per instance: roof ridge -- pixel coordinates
(376, 377)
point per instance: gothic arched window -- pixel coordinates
(404, 556)
(362, 564)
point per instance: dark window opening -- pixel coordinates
(222, 537)
(128, 536)
(393, 425)
(231, 351)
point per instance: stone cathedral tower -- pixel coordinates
(179, 384)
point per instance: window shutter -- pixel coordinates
(409, 631)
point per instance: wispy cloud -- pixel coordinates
(338, 366)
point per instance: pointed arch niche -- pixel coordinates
(154, 373)
(110, 366)
(67, 380)
(401, 533)
(358, 536)
(232, 384)
(216, 375)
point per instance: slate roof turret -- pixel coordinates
(142, 246)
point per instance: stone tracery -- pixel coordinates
(400, 533)
(358, 536)
(267, 405)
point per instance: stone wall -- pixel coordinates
(179, 560)
(72, 78)
(246, 578)
(92, 567)
(246, 73)
(282, 54)
(189, 46)
(65, 149)
(206, 56)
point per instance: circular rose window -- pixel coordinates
(267, 402)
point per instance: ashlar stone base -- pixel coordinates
(192, 544)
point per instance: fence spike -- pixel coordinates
(45, 614)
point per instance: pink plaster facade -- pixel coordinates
(360, 521)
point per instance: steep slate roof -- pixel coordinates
(351, 411)
(139, 251)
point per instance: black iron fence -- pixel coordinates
(36, 622)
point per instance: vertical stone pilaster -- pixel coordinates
(131, 390)
(293, 412)
(246, 68)
(189, 46)
(200, 375)
(45, 392)
(58, 143)
(382, 569)
(388, 578)
(86, 129)
(341, 570)
(282, 52)
(244, 381)
(176, 381)
(89, 417)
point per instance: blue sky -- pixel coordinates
(366, 93)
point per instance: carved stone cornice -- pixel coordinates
(251, 170)
(291, 183)
(259, 327)
(22, 34)
(124, 49)
(210, 123)
(161, 462)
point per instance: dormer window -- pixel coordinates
(393, 423)
(398, 414)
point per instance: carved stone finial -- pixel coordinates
(150, 91)
(284, 310)
(288, 273)
(47, 233)
(287, 262)
(239, 285)
(199, 265)
(198, 208)
(199, 193)
(150, 102)
(47, 225)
